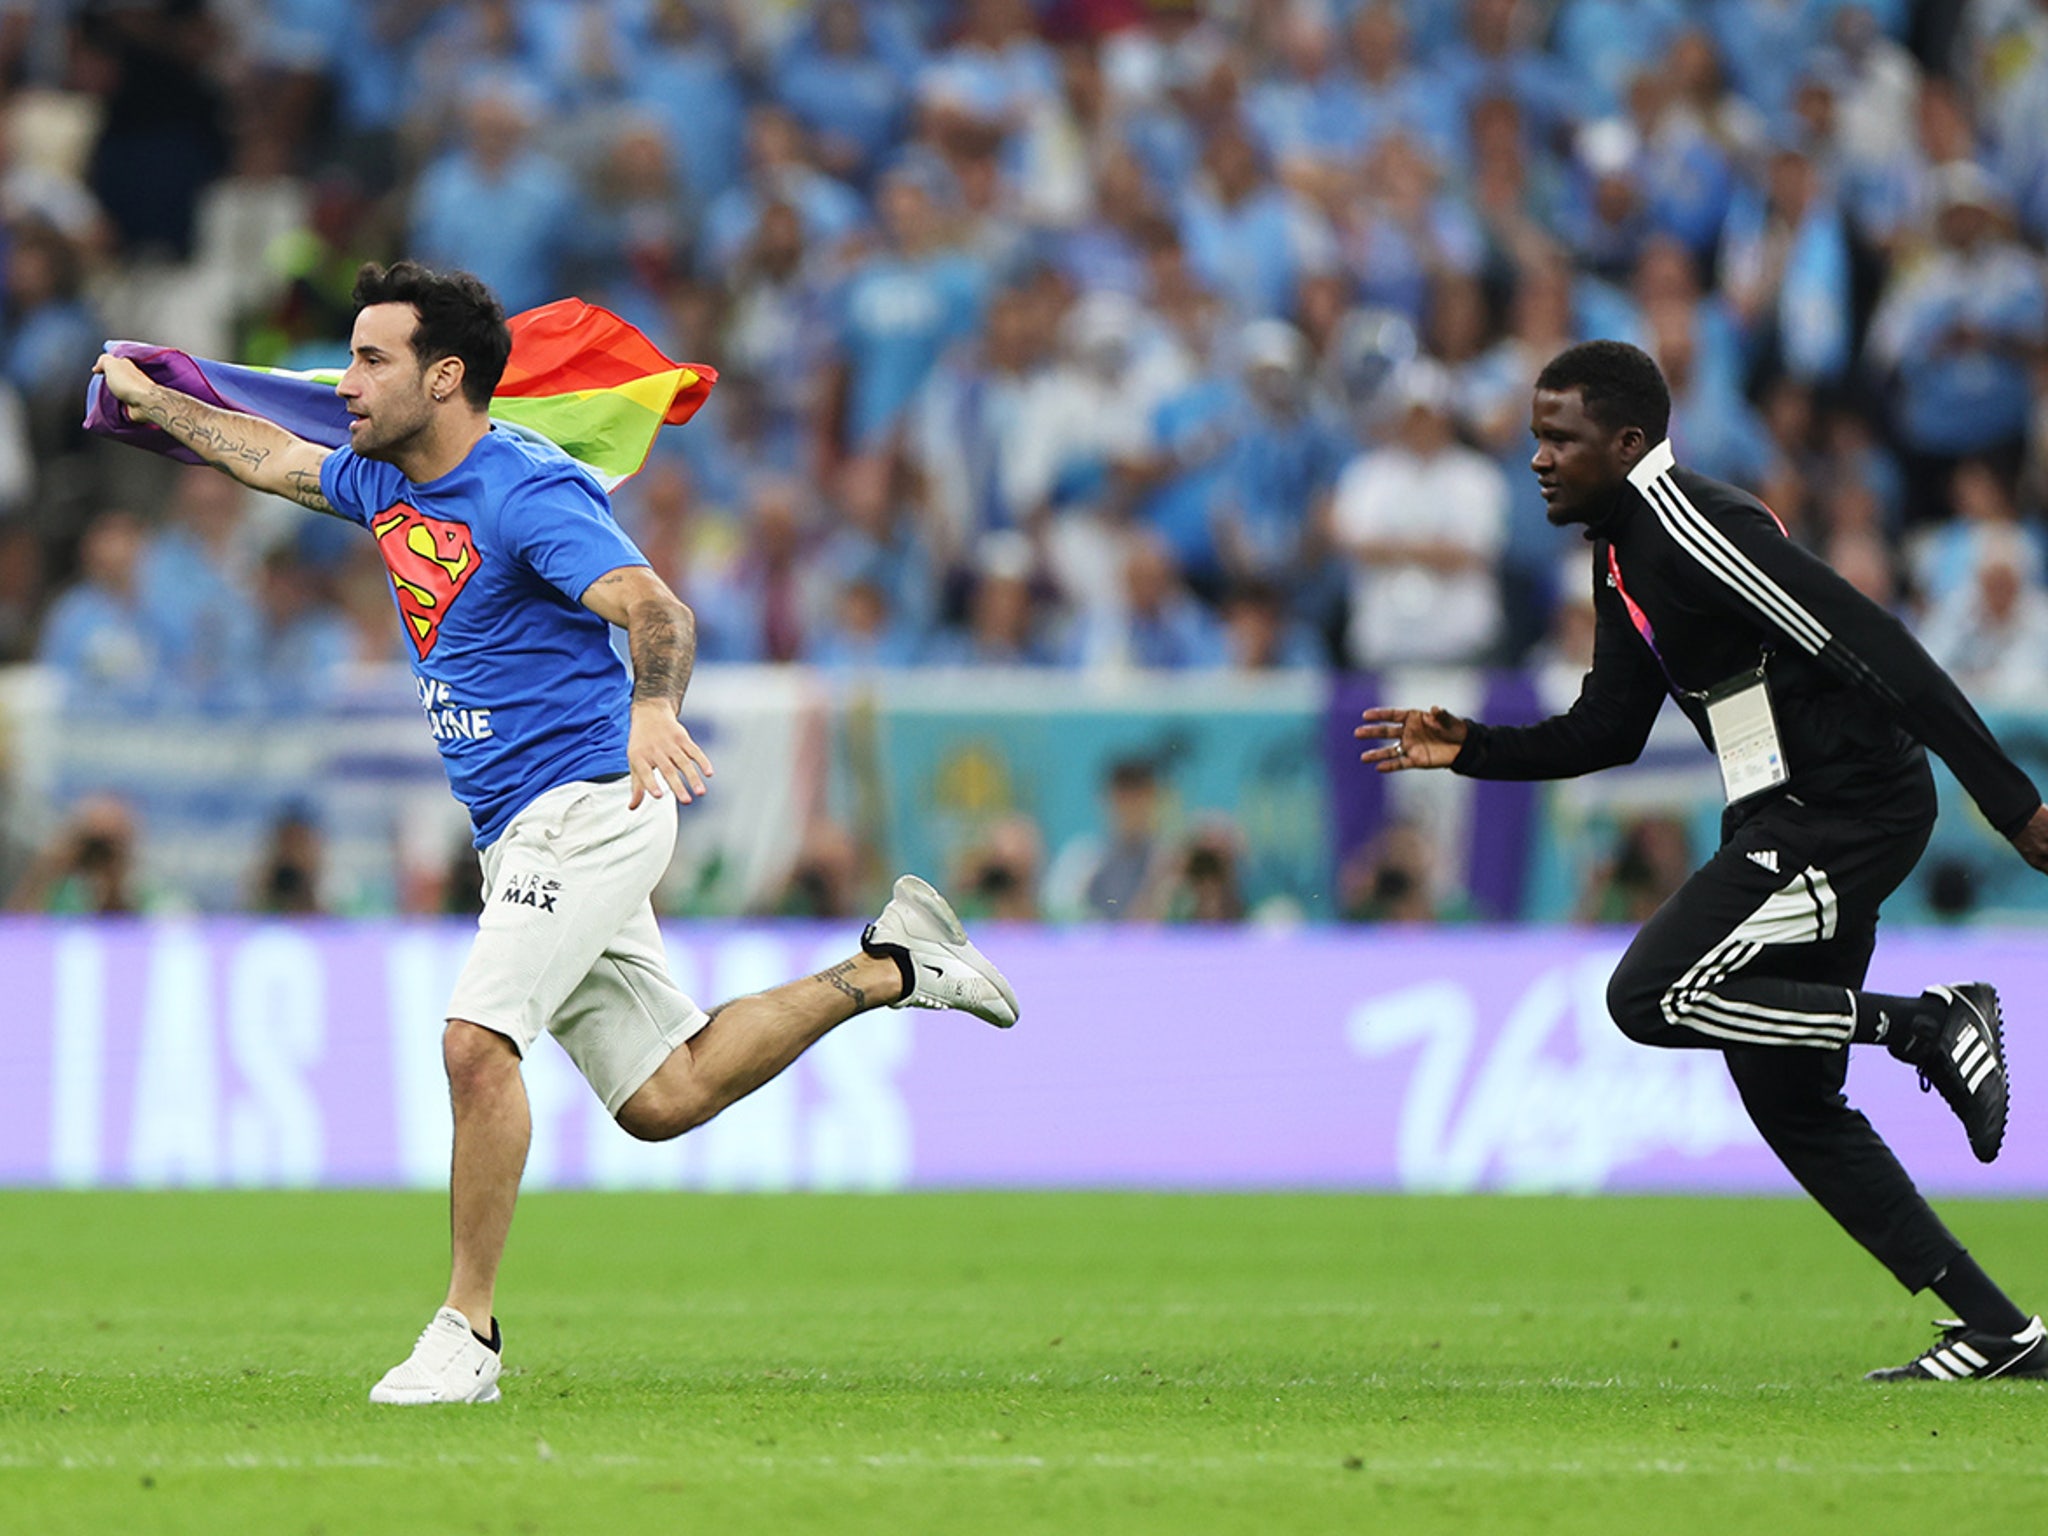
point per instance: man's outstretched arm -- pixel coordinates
(260, 454)
(1608, 724)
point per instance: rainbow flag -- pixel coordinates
(579, 377)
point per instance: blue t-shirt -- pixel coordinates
(519, 680)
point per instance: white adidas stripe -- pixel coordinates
(1956, 1359)
(1728, 1022)
(1803, 911)
(1826, 904)
(1755, 1016)
(1707, 972)
(1819, 1030)
(1732, 955)
(1711, 1015)
(1697, 535)
(1784, 1015)
(1712, 549)
(1729, 955)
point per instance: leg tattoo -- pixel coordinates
(836, 979)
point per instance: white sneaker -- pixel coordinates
(949, 971)
(449, 1364)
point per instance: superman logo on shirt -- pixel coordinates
(430, 561)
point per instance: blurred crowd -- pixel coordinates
(1100, 333)
(1053, 333)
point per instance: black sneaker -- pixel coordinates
(1962, 1057)
(1970, 1354)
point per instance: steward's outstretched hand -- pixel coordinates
(1416, 738)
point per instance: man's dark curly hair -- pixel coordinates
(458, 318)
(1621, 385)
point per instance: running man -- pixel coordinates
(1817, 703)
(508, 570)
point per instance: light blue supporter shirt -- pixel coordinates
(488, 565)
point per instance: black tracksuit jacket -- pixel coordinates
(1722, 589)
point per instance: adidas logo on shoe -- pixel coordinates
(1971, 1354)
(1972, 1055)
(1961, 1056)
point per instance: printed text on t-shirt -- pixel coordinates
(449, 719)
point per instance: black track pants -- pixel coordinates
(1757, 955)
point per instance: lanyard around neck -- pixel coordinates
(1641, 620)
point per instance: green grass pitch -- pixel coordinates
(999, 1363)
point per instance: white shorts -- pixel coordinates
(567, 942)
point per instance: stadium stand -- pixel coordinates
(1077, 336)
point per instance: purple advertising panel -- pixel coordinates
(246, 1053)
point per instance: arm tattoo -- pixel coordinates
(663, 638)
(303, 486)
(207, 431)
(835, 978)
(246, 447)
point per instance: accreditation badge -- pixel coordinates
(1745, 733)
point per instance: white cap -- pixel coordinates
(1608, 146)
(1965, 184)
(1272, 344)
(1424, 384)
(1004, 555)
(1101, 319)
